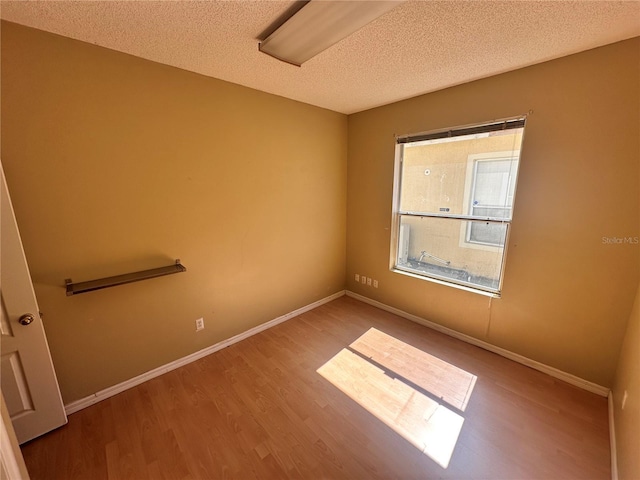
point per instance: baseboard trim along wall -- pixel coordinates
(156, 372)
(554, 372)
(612, 439)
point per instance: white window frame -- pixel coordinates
(397, 213)
(469, 186)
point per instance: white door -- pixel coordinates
(29, 383)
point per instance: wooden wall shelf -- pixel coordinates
(91, 285)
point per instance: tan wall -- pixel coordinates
(117, 164)
(567, 295)
(627, 380)
(627, 421)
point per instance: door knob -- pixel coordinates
(26, 319)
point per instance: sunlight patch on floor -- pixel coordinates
(409, 390)
(441, 379)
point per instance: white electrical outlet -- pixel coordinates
(199, 324)
(363, 279)
(369, 281)
(357, 277)
(624, 399)
(375, 284)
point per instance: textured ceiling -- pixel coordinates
(418, 47)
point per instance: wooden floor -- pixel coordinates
(345, 391)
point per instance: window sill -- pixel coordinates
(446, 283)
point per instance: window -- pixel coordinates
(454, 198)
(493, 188)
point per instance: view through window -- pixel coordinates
(455, 192)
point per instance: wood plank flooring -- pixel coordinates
(345, 391)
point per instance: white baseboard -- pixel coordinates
(156, 372)
(612, 439)
(127, 384)
(554, 372)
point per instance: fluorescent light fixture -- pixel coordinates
(319, 25)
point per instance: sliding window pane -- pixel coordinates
(439, 248)
(454, 176)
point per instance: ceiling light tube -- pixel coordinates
(319, 25)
